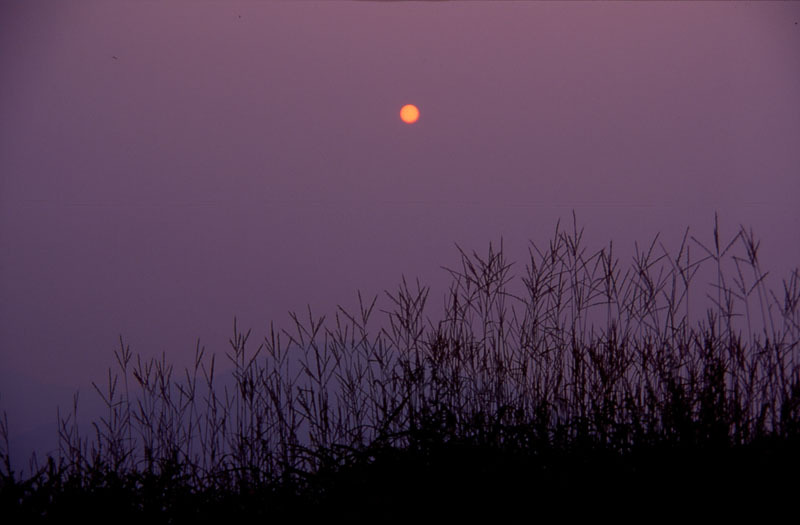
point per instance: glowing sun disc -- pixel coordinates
(409, 113)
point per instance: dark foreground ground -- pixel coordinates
(449, 483)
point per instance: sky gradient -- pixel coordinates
(165, 167)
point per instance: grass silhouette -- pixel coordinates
(583, 380)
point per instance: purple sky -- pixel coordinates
(248, 159)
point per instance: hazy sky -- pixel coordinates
(166, 166)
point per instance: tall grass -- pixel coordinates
(580, 354)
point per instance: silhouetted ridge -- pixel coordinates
(578, 380)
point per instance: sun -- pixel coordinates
(409, 113)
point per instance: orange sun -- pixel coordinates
(409, 113)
